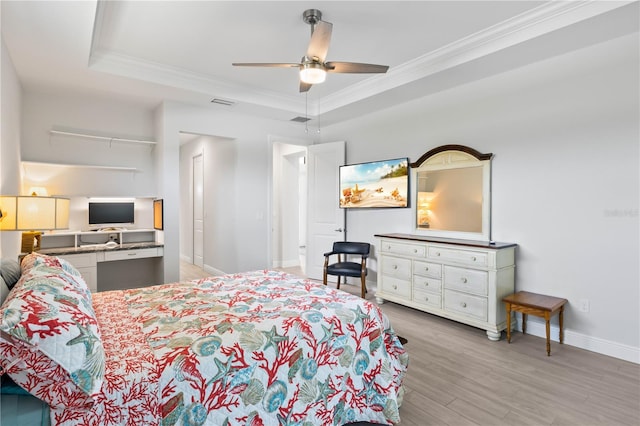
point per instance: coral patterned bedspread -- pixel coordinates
(259, 348)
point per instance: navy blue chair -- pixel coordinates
(346, 250)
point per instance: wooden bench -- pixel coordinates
(534, 304)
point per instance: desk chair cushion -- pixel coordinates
(349, 269)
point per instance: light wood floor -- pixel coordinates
(458, 377)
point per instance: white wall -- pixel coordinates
(565, 136)
(10, 111)
(46, 111)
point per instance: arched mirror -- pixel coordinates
(452, 193)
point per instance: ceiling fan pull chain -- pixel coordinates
(318, 114)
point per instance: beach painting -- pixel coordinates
(376, 184)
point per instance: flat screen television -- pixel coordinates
(375, 184)
(111, 214)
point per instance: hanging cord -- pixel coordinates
(306, 111)
(318, 114)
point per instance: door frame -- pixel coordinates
(272, 140)
(193, 207)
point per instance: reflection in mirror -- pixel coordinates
(452, 196)
(450, 199)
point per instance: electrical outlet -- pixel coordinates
(584, 305)
(113, 237)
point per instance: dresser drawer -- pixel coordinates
(427, 299)
(467, 280)
(414, 250)
(427, 269)
(396, 287)
(131, 254)
(81, 260)
(463, 257)
(466, 304)
(396, 267)
(427, 284)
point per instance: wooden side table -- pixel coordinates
(538, 305)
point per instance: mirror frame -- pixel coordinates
(447, 157)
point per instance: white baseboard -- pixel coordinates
(582, 341)
(186, 258)
(286, 263)
(213, 271)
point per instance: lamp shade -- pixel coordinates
(36, 213)
(31, 213)
(62, 213)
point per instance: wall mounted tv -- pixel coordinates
(376, 184)
(111, 214)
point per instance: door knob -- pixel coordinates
(339, 230)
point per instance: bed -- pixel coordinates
(257, 348)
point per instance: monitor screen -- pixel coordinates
(110, 213)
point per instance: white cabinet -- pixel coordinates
(85, 263)
(457, 279)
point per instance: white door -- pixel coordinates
(325, 218)
(198, 211)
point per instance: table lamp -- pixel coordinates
(32, 214)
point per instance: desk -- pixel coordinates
(137, 260)
(538, 305)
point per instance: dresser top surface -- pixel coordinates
(454, 241)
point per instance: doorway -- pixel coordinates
(289, 206)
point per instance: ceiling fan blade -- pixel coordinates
(304, 87)
(265, 64)
(319, 43)
(355, 68)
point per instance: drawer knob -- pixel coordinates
(426, 299)
(415, 250)
(426, 284)
(464, 280)
(437, 253)
(464, 305)
(395, 287)
(426, 268)
(473, 258)
(395, 266)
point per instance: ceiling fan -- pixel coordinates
(313, 68)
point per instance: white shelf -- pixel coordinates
(80, 166)
(101, 138)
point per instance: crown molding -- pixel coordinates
(127, 66)
(548, 17)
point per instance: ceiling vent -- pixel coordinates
(222, 102)
(300, 119)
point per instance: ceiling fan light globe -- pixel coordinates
(312, 73)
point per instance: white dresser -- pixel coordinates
(457, 279)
